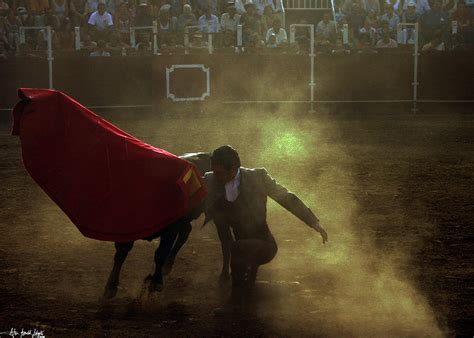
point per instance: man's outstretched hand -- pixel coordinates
(321, 230)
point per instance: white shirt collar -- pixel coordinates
(232, 188)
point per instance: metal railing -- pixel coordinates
(308, 4)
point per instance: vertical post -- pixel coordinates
(415, 70)
(292, 33)
(345, 35)
(209, 42)
(155, 37)
(133, 40)
(334, 14)
(454, 27)
(399, 34)
(22, 37)
(311, 51)
(77, 37)
(50, 56)
(239, 36)
(186, 40)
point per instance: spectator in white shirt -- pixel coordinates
(391, 18)
(422, 6)
(326, 30)
(100, 23)
(261, 4)
(230, 20)
(278, 31)
(208, 23)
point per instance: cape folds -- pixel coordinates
(111, 185)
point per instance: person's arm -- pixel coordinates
(291, 202)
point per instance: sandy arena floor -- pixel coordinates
(394, 191)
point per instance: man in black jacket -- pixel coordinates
(237, 202)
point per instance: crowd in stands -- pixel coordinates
(104, 25)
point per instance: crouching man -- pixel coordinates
(237, 202)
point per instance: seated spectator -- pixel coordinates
(37, 7)
(115, 46)
(198, 41)
(145, 42)
(367, 33)
(356, 18)
(166, 22)
(392, 19)
(434, 45)
(100, 49)
(77, 12)
(187, 18)
(386, 42)
(203, 5)
(87, 42)
(3, 51)
(90, 7)
(279, 33)
(432, 21)
(422, 6)
(230, 39)
(371, 6)
(12, 26)
(100, 23)
(143, 17)
(208, 22)
(326, 31)
(123, 21)
(65, 35)
(255, 42)
(372, 20)
(4, 7)
(462, 15)
(267, 18)
(410, 15)
(3, 33)
(261, 4)
(49, 19)
(250, 23)
(230, 19)
(60, 8)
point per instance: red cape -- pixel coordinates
(111, 185)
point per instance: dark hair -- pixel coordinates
(226, 156)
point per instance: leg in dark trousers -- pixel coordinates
(183, 234)
(121, 253)
(246, 256)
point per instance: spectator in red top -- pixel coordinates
(386, 42)
(462, 15)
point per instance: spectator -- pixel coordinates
(278, 31)
(392, 19)
(25, 17)
(422, 6)
(371, 6)
(386, 42)
(367, 33)
(144, 42)
(230, 19)
(267, 18)
(203, 5)
(261, 4)
(436, 44)
(123, 21)
(87, 42)
(187, 18)
(100, 23)
(12, 29)
(3, 51)
(432, 21)
(365, 41)
(60, 8)
(462, 15)
(3, 34)
(144, 17)
(410, 15)
(372, 20)
(240, 6)
(100, 48)
(230, 39)
(77, 12)
(4, 7)
(326, 31)
(250, 23)
(65, 35)
(208, 22)
(198, 42)
(91, 7)
(115, 46)
(166, 24)
(356, 18)
(49, 19)
(37, 7)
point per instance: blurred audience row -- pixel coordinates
(106, 27)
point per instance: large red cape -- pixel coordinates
(111, 185)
